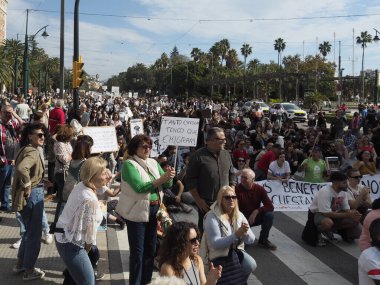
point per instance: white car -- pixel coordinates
(248, 106)
(292, 111)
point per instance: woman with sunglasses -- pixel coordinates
(141, 185)
(178, 256)
(226, 230)
(358, 195)
(28, 198)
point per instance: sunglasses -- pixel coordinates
(241, 160)
(194, 241)
(357, 177)
(230, 197)
(40, 135)
(146, 146)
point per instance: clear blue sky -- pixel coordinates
(116, 34)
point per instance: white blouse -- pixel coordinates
(80, 218)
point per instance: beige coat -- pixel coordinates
(29, 172)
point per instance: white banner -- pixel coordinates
(136, 127)
(104, 138)
(298, 195)
(179, 131)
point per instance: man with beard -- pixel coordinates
(332, 212)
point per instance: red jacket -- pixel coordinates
(251, 199)
(56, 116)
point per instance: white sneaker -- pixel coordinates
(16, 244)
(48, 238)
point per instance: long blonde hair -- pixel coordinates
(219, 200)
(92, 167)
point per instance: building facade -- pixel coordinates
(3, 19)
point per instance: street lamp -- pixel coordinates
(26, 53)
(376, 37)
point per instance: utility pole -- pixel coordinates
(76, 52)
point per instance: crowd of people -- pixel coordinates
(219, 178)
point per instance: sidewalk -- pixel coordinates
(48, 259)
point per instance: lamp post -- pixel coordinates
(26, 53)
(377, 80)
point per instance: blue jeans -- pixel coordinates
(6, 173)
(45, 225)
(32, 218)
(248, 264)
(142, 239)
(266, 222)
(77, 262)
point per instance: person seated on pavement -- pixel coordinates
(365, 163)
(315, 168)
(172, 196)
(279, 169)
(256, 206)
(369, 260)
(226, 230)
(358, 195)
(332, 212)
(365, 238)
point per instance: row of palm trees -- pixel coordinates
(43, 69)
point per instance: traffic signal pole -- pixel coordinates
(76, 53)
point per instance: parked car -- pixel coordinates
(249, 105)
(292, 111)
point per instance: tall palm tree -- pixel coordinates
(14, 50)
(279, 46)
(224, 48)
(246, 50)
(324, 49)
(196, 54)
(6, 70)
(363, 39)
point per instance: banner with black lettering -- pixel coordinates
(298, 195)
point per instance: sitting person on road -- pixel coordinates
(226, 230)
(365, 163)
(256, 206)
(332, 212)
(365, 238)
(279, 169)
(263, 165)
(358, 195)
(315, 168)
(369, 260)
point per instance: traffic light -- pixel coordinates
(78, 73)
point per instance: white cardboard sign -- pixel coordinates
(104, 138)
(136, 127)
(179, 131)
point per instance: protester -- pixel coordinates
(365, 163)
(314, 167)
(279, 169)
(142, 179)
(179, 257)
(75, 231)
(226, 230)
(369, 260)
(263, 164)
(332, 211)
(28, 198)
(56, 116)
(365, 238)
(256, 206)
(9, 145)
(358, 195)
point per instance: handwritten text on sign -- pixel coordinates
(104, 138)
(298, 195)
(179, 131)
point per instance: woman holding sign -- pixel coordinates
(141, 184)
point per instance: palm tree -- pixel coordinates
(196, 54)
(246, 50)
(14, 50)
(324, 48)
(6, 70)
(279, 45)
(224, 48)
(363, 40)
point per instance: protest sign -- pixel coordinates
(104, 138)
(179, 131)
(298, 195)
(157, 148)
(136, 127)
